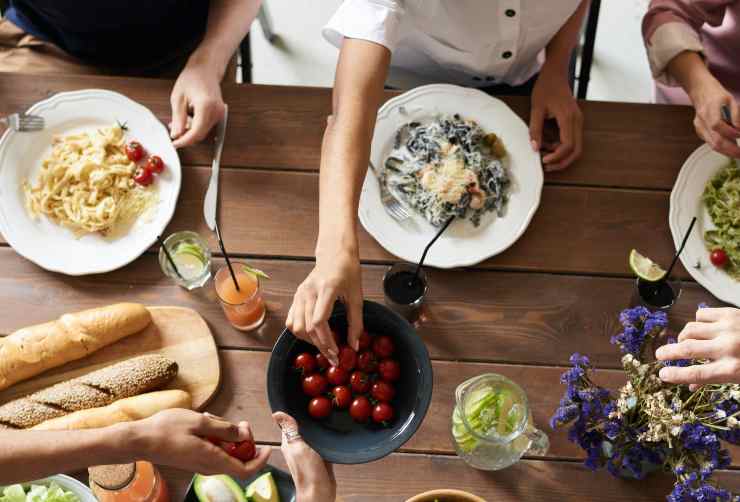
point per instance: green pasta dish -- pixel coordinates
(722, 199)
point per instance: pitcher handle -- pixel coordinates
(540, 443)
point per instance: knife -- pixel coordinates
(210, 205)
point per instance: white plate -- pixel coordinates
(463, 244)
(51, 246)
(685, 204)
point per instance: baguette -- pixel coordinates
(124, 410)
(99, 388)
(33, 350)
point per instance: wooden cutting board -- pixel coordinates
(176, 332)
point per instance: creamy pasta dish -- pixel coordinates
(87, 185)
(448, 167)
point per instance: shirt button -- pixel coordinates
(477, 79)
(506, 55)
(490, 79)
(510, 12)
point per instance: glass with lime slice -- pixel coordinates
(653, 288)
(191, 256)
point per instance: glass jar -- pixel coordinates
(192, 258)
(137, 482)
(492, 424)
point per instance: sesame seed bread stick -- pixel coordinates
(33, 350)
(99, 388)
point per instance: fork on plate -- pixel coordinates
(23, 122)
(391, 204)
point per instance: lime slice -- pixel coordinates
(263, 489)
(645, 268)
(187, 248)
(255, 272)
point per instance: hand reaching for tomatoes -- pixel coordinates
(197, 92)
(313, 478)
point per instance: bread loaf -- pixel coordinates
(124, 410)
(99, 388)
(33, 350)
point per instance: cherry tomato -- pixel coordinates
(365, 340)
(337, 375)
(719, 258)
(134, 151)
(359, 382)
(305, 363)
(244, 451)
(382, 413)
(314, 385)
(360, 409)
(389, 370)
(341, 397)
(143, 176)
(319, 407)
(347, 357)
(367, 361)
(382, 391)
(229, 447)
(155, 164)
(322, 362)
(383, 346)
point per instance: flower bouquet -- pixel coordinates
(650, 424)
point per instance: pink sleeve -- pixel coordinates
(671, 27)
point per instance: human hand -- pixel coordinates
(553, 98)
(197, 91)
(708, 97)
(176, 438)
(715, 336)
(313, 477)
(336, 275)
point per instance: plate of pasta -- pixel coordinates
(91, 191)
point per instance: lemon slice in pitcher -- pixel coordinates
(645, 268)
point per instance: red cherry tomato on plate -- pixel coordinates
(337, 375)
(319, 407)
(365, 340)
(389, 370)
(347, 357)
(382, 413)
(367, 361)
(143, 176)
(314, 385)
(134, 151)
(322, 362)
(719, 258)
(383, 346)
(360, 409)
(382, 391)
(244, 451)
(155, 164)
(359, 382)
(305, 363)
(341, 397)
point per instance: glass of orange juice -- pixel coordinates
(245, 308)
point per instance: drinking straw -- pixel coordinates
(226, 256)
(169, 257)
(683, 244)
(426, 249)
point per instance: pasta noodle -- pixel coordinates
(86, 184)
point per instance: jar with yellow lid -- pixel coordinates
(137, 482)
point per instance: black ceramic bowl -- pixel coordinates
(338, 439)
(283, 481)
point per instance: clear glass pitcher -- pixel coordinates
(492, 424)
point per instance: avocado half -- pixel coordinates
(221, 488)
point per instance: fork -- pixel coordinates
(391, 204)
(23, 122)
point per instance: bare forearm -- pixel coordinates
(228, 24)
(690, 71)
(29, 455)
(560, 49)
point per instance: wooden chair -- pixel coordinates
(587, 49)
(263, 17)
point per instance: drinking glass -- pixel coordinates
(191, 256)
(657, 296)
(245, 307)
(400, 298)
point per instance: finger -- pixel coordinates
(724, 146)
(214, 460)
(321, 314)
(326, 341)
(699, 331)
(309, 306)
(245, 431)
(577, 147)
(536, 123)
(735, 113)
(285, 421)
(714, 314)
(299, 317)
(258, 462)
(220, 429)
(718, 125)
(697, 374)
(567, 142)
(688, 349)
(179, 115)
(205, 116)
(354, 319)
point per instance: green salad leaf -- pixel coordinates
(37, 493)
(722, 199)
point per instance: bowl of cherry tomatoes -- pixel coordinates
(371, 403)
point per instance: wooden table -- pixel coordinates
(556, 291)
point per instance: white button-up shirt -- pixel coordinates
(476, 43)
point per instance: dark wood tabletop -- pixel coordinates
(558, 290)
